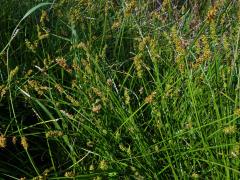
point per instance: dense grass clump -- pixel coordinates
(132, 89)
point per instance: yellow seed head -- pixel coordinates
(154, 50)
(38, 178)
(177, 41)
(31, 45)
(156, 15)
(195, 175)
(130, 7)
(189, 125)
(69, 174)
(42, 34)
(211, 13)
(59, 88)
(109, 82)
(237, 112)
(116, 24)
(103, 165)
(230, 129)
(43, 18)
(13, 73)
(117, 136)
(14, 140)
(126, 96)
(149, 99)
(91, 167)
(213, 31)
(24, 142)
(235, 152)
(37, 87)
(197, 47)
(122, 147)
(3, 90)
(165, 5)
(90, 144)
(205, 55)
(138, 64)
(62, 62)
(141, 90)
(103, 53)
(181, 67)
(29, 72)
(96, 108)
(133, 168)
(226, 44)
(75, 64)
(54, 133)
(97, 91)
(128, 150)
(143, 43)
(3, 141)
(156, 148)
(68, 115)
(83, 46)
(206, 49)
(87, 66)
(72, 100)
(98, 178)
(198, 62)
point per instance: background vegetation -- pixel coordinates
(132, 89)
